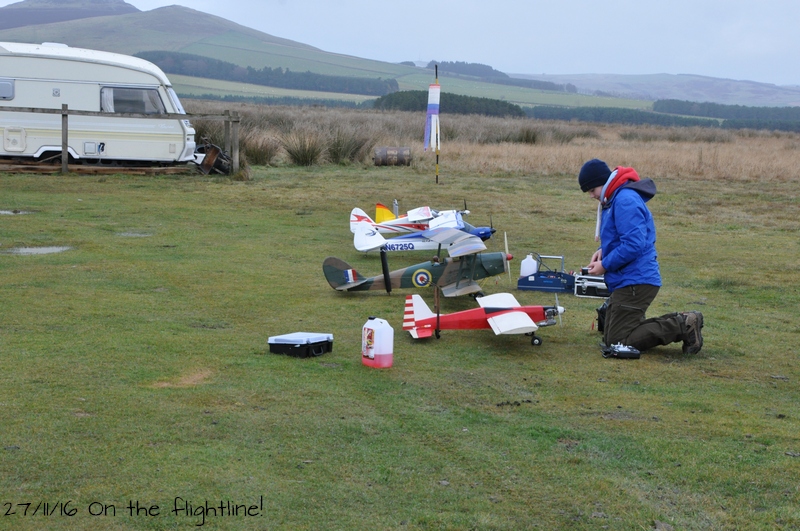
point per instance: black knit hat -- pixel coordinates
(593, 174)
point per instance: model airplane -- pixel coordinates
(367, 237)
(454, 276)
(411, 228)
(501, 312)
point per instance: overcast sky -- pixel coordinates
(735, 39)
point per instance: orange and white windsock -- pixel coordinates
(432, 137)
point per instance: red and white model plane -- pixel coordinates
(501, 312)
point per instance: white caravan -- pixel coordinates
(122, 88)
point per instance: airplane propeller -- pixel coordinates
(508, 256)
(559, 310)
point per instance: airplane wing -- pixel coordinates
(448, 218)
(498, 300)
(420, 214)
(458, 242)
(512, 323)
(456, 289)
(508, 322)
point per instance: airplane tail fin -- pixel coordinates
(340, 275)
(415, 311)
(366, 238)
(383, 213)
(357, 216)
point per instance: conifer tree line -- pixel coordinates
(490, 75)
(206, 67)
(681, 113)
(417, 100)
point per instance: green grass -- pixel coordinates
(135, 367)
(197, 86)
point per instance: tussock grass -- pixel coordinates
(137, 368)
(303, 147)
(519, 147)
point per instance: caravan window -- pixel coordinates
(6, 89)
(135, 100)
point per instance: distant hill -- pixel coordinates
(678, 87)
(34, 12)
(114, 25)
(167, 28)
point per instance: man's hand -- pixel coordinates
(596, 267)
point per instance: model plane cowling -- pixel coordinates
(453, 276)
(501, 312)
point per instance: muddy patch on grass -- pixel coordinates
(191, 379)
(27, 251)
(134, 234)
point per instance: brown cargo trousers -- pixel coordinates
(625, 320)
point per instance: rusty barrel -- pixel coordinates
(392, 156)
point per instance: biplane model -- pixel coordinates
(409, 229)
(501, 312)
(455, 275)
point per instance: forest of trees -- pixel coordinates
(686, 114)
(466, 69)
(736, 116)
(417, 100)
(614, 115)
(199, 66)
(727, 112)
(490, 75)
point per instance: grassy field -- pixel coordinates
(135, 375)
(196, 87)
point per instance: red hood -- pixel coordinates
(623, 176)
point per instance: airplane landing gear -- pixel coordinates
(536, 340)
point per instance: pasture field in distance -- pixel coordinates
(136, 369)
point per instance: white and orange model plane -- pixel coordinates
(501, 312)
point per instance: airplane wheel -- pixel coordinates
(536, 341)
(438, 335)
(478, 294)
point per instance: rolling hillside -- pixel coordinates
(48, 11)
(180, 29)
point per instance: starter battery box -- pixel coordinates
(301, 344)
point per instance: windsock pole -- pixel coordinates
(436, 73)
(432, 133)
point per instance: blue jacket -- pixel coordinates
(628, 237)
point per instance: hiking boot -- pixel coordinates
(693, 340)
